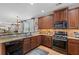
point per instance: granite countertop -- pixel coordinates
(73, 38)
(9, 39)
(4, 40)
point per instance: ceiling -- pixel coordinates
(10, 11)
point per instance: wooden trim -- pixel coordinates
(73, 8)
(61, 9)
(2, 49)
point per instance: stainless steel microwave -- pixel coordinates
(61, 25)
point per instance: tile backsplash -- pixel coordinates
(71, 32)
(52, 31)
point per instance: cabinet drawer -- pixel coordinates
(73, 41)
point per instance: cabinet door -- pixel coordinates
(45, 22)
(2, 49)
(73, 47)
(40, 23)
(38, 40)
(26, 45)
(43, 39)
(47, 41)
(61, 15)
(73, 18)
(33, 42)
(56, 16)
(64, 14)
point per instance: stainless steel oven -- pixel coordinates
(60, 44)
(60, 41)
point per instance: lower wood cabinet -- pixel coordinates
(38, 40)
(73, 47)
(47, 41)
(33, 42)
(26, 45)
(2, 49)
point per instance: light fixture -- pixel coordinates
(31, 3)
(58, 4)
(42, 11)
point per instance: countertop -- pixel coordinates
(4, 40)
(73, 38)
(9, 39)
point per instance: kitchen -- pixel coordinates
(26, 29)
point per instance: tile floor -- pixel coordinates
(50, 51)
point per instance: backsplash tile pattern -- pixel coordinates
(52, 31)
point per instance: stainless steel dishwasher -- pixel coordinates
(14, 48)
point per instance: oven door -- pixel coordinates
(60, 44)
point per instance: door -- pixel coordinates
(33, 42)
(73, 47)
(45, 22)
(64, 14)
(47, 41)
(26, 45)
(73, 18)
(56, 16)
(38, 40)
(61, 15)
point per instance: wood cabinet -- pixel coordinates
(26, 45)
(64, 14)
(73, 18)
(33, 42)
(38, 40)
(73, 47)
(2, 49)
(61, 15)
(45, 22)
(56, 16)
(47, 41)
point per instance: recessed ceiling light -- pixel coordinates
(31, 3)
(42, 11)
(58, 4)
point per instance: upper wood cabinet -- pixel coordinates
(45, 22)
(73, 18)
(56, 16)
(60, 15)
